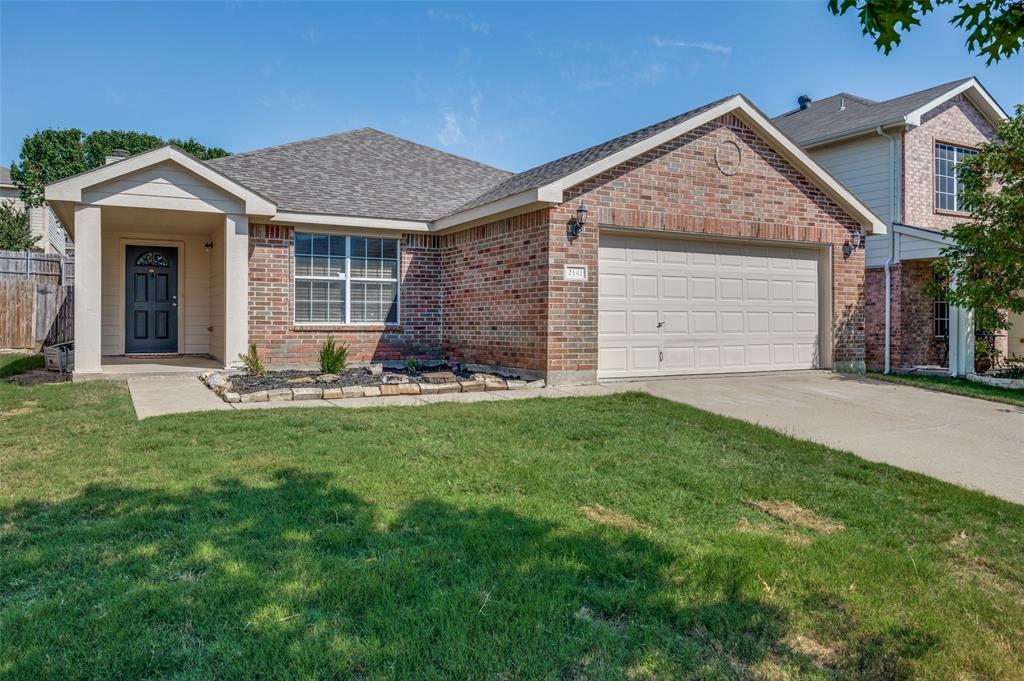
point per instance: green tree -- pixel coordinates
(53, 154)
(15, 233)
(986, 258)
(995, 28)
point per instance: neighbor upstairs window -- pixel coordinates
(345, 280)
(947, 176)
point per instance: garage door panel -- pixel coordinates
(677, 306)
(643, 286)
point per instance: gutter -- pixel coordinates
(894, 219)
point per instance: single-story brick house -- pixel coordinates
(711, 242)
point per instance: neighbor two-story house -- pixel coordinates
(46, 228)
(901, 157)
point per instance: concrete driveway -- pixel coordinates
(966, 441)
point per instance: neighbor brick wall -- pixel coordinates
(280, 341)
(679, 188)
(956, 122)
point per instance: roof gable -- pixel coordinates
(546, 183)
(844, 115)
(71, 189)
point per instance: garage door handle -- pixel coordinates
(661, 324)
(661, 356)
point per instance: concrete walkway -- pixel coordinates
(963, 440)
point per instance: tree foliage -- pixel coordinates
(53, 154)
(995, 28)
(986, 258)
(15, 233)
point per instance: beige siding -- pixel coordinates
(864, 165)
(1016, 335)
(165, 186)
(193, 287)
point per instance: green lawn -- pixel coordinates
(601, 538)
(957, 386)
(14, 363)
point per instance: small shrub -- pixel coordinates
(412, 366)
(252, 362)
(333, 358)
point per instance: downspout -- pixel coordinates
(893, 219)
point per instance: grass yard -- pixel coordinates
(957, 386)
(620, 537)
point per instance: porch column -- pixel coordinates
(236, 287)
(88, 291)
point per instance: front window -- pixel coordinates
(947, 176)
(345, 279)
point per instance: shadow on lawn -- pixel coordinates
(298, 578)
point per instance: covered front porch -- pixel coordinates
(161, 282)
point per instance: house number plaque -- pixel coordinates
(575, 273)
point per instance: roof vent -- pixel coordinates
(116, 155)
(804, 101)
(842, 104)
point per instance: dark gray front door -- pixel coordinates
(151, 299)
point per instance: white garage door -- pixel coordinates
(686, 306)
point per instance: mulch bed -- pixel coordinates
(246, 383)
(37, 377)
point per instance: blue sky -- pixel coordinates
(512, 85)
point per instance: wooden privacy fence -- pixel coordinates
(35, 300)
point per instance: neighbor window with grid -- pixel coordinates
(345, 279)
(940, 312)
(947, 177)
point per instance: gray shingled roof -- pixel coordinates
(550, 172)
(822, 120)
(363, 173)
(5, 175)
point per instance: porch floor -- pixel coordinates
(119, 368)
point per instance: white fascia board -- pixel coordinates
(922, 233)
(522, 200)
(350, 221)
(70, 189)
(974, 91)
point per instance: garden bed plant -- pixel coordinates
(334, 379)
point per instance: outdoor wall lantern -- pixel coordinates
(854, 243)
(208, 246)
(576, 226)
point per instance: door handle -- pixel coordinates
(661, 324)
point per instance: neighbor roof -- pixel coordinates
(364, 173)
(843, 113)
(559, 168)
(5, 175)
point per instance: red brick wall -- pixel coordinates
(874, 316)
(679, 188)
(280, 341)
(956, 122)
(495, 292)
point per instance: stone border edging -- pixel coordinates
(220, 384)
(997, 382)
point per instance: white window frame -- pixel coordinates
(347, 278)
(958, 155)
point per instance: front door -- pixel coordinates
(151, 299)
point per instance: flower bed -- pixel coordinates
(371, 381)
